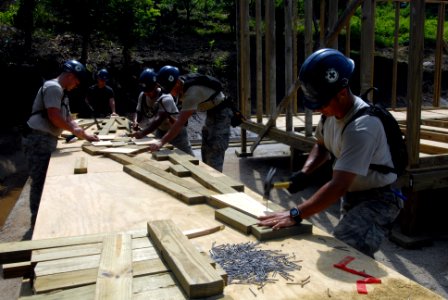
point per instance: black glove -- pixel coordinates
(299, 182)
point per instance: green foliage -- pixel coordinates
(7, 17)
(220, 62)
(385, 25)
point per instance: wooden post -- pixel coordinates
(288, 60)
(438, 56)
(332, 20)
(367, 46)
(322, 26)
(415, 76)
(259, 59)
(308, 51)
(244, 65)
(270, 57)
(395, 59)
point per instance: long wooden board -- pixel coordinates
(114, 279)
(241, 202)
(195, 275)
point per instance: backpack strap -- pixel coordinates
(367, 111)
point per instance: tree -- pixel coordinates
(24, 20)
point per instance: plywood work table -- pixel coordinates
(107, 200)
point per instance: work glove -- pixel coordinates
(299, 182)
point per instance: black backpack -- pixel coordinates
(395, 138)
(200, 79)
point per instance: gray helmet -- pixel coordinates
(148, 80)
(167, 77)
(102, 74)
(77, 68)
(323, 74)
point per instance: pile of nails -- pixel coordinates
(246, 263)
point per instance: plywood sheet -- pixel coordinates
(108, 202)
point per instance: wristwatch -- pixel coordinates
(295, 214)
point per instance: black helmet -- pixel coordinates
(77, 68)
(102, 74)
(148, 80)
(323, 74)
(167, 77)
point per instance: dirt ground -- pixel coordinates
(427, 266)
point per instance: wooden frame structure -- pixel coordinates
(427, 167)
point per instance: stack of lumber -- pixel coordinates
(130, 265)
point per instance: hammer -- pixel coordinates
(268, 185)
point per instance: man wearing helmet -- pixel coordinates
(157, 111)
(49, 117)
(100, 96)
(368, 206)
(216, 131)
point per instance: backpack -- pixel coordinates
(200, 79)
(395, 138)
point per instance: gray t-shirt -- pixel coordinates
(51, 94)
(197, 94)
(363, 143)
(165, 102)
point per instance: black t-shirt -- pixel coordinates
(99, 99)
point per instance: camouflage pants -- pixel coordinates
(181, 141)
(366, 218)
(37, 147)
(215, 137)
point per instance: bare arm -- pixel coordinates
(54, 115)
(173, 132)
(328, 194)
(112, 106)
(158, 119)
(316, 158)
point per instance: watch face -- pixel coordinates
(294, 212)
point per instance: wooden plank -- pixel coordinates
(43, 284)
(195, 275)
(85, 262)
(81, 250)
(436, 123)
(122, 122)
(114, 279)
(165, 153)
(123, 150)
(124, 159)
(241, 202)
(235, 219)
(201, 176)
(21, 251)
(432, 147)
(92, 150)
(80, 165)
(267, 233)
(107, 127)
(193, 233)
(83, 292)
(19, 269)
(177, 191)
(158, 286)
(179, 171)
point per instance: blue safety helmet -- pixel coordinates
(323, 74)
(148, 80)
(102, 74)
(167, 77)
(77, 68)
